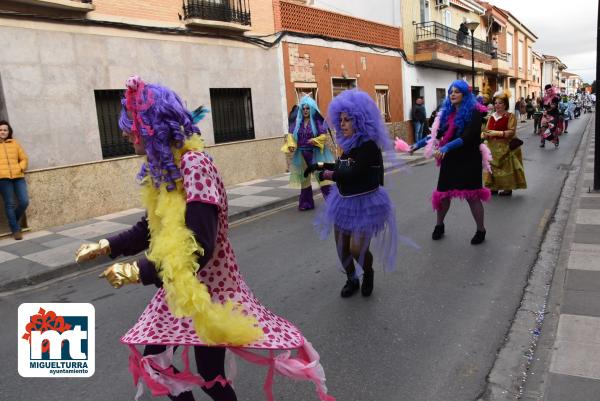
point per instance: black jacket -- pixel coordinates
(360, 170)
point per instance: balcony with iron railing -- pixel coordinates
(500, 63)
(439, 45)
(83, 6)
(224, 14)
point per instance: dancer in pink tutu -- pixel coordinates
(202, 301)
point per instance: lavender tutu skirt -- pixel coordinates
(371, 215)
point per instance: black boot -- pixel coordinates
(352, 285)
(367, 285)
(438, 232)
(478, 238)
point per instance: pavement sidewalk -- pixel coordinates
(573, 363)
(48, 254)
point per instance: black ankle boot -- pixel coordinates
(478, 238)
(367, 285)
(438, 232)
(352, 285)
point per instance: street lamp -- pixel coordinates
(471, 26)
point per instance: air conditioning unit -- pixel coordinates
(442, 3)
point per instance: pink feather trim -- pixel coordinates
(437, 197)
(486, 157)
(432, 144)
(401, 146)
(481, 108)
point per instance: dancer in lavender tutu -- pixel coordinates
(307, 142)
(455, 141)
(202, 301)
(358, 209)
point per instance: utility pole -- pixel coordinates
(597, 116)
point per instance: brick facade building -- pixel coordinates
(325, 52)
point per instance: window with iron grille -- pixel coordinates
(382, 96)
(231, 111)
(338, 85)
(108, 108)
(306, 91)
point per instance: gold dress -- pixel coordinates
(507, 166)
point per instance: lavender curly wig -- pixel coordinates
(156, 116)
(366, 120)
(465, 111)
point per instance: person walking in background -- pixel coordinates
(13, 188)
(306, 141)
(455, 142)
(518, 109)
(563, 109)
(522, 109)
(507, 161)
(549, 123)
(537, 115)
(529, 107)
(419, 118)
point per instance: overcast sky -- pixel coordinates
(565, 28)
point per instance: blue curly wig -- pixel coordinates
(464, 112)
(315, 114)
(156, 116)
(366, 120)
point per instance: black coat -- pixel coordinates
(360, 170)
(461, 168)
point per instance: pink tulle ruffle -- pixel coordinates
(437, 197)
(157, 373)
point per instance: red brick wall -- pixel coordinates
(328, 63)
(298, 18)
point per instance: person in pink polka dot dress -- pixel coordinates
(143, 122)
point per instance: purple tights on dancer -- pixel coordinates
(306, 201)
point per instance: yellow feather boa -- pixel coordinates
(173, 250)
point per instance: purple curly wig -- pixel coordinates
(156, 116)
(366, 120)
(464, 112)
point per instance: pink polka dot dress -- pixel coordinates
(221, 275)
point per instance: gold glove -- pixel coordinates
(91, 251)
(122, 273)
(290, 144)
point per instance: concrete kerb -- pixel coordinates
(506, 379)
(71, 267)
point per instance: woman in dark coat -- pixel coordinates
(455, 142)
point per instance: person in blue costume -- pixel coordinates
(455, 141)
(358, 208)
(307, 142)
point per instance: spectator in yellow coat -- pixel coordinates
(13, 188)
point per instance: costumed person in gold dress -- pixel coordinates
(507, 173)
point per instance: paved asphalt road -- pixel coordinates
(430, 331)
